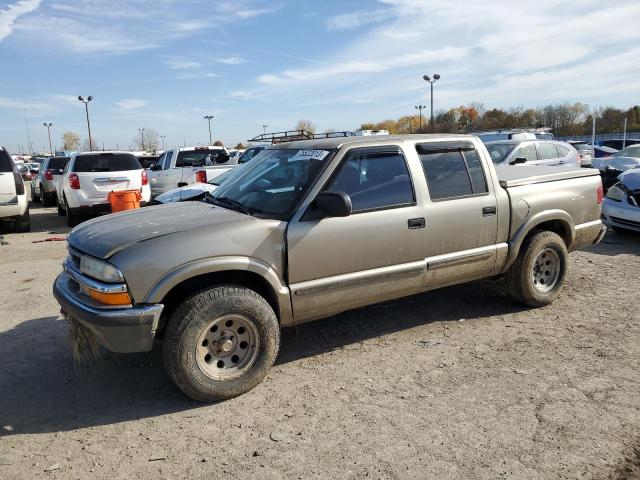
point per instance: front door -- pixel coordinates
(336, 264)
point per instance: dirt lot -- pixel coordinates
(457, 383)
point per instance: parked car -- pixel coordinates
(250, 152)
(515, 134)
(533, 152)
(179, 167)
(313, 228)
(611, 167)
(619, 143)
(585, 152)
(24, 172)
(43, 185)
(147, 160)
(88, 178)
(601, 151)
(196, 191)
(14, 205)
(621, 206)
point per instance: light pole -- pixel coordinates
(163, 137)
(141, 130)
(49, 125)
(419, 108)
(86, 108)
(209, 118)
(264, 129)
(431, 81)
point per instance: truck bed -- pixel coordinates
(515, 176)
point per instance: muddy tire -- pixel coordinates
(34, 197)
(61, 211)
(538, 274)
(220, 343)
(46, 199)
(72, 220)
(23, 223)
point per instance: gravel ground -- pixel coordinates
(455, 383)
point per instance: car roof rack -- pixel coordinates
(344, 133)
(282, 137)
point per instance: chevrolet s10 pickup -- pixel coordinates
(312, 228)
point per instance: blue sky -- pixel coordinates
(163, 64)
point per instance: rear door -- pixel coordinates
(461, 213)
(101, 173)
(547, 154)
(7, 179)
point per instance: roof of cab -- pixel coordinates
(337, 142)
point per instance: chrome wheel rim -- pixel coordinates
(227, 347)
(546, 270)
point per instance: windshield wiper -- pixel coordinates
(230, 202)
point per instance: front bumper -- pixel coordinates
(621, 214)
(121, 330)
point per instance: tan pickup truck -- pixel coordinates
(311, 228)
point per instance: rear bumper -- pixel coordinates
(588, 234)
(121, 330)
(16, 208)
(96, 209)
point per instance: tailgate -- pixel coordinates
(97, 185)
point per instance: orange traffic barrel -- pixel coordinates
(124, 200)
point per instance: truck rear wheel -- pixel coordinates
(220, 343)
(537, 276)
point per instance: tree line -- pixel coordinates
(564, 119)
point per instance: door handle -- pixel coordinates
(487, 211)
(414, 223)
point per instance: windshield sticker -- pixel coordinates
(310, 155)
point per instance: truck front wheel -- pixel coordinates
(220, 343)
(537, 276)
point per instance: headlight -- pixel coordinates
(100, 270)
(616, 193)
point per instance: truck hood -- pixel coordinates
(104, 236)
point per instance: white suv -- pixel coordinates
(14, 205)
(88, 178)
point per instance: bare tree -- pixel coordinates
(306, 125)
(70, 141)
(147, 140)
(94, 143)
(240, 146)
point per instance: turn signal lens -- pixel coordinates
(120, 298)
(600, 193)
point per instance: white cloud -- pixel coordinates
(231, 60)
(182, 63)
(130, 104)
(350, 21)
(9, 15)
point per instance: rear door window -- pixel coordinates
(547, 151)
(528, 151)
(6, 165)
(562, 150)
(106, 162)
(452, 172)
(375, 179)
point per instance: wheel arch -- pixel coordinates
(250, 273)
(556, 221)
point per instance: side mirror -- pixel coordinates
(331, 204)
(518, 160)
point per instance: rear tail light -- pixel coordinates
(579, 160)
(145, 179)
(600, 193)
(19, 183)
(48, 174)
(201, 176)
(74, 181)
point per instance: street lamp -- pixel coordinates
(420, 108)
(431, 81)
(163, 137)
(49, 125)
(86, 108)
(141, 130)
(264, 129)
(209, 118)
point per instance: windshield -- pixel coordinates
(630, 151)
(273, 182)
(500, 151)
(106, 162)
